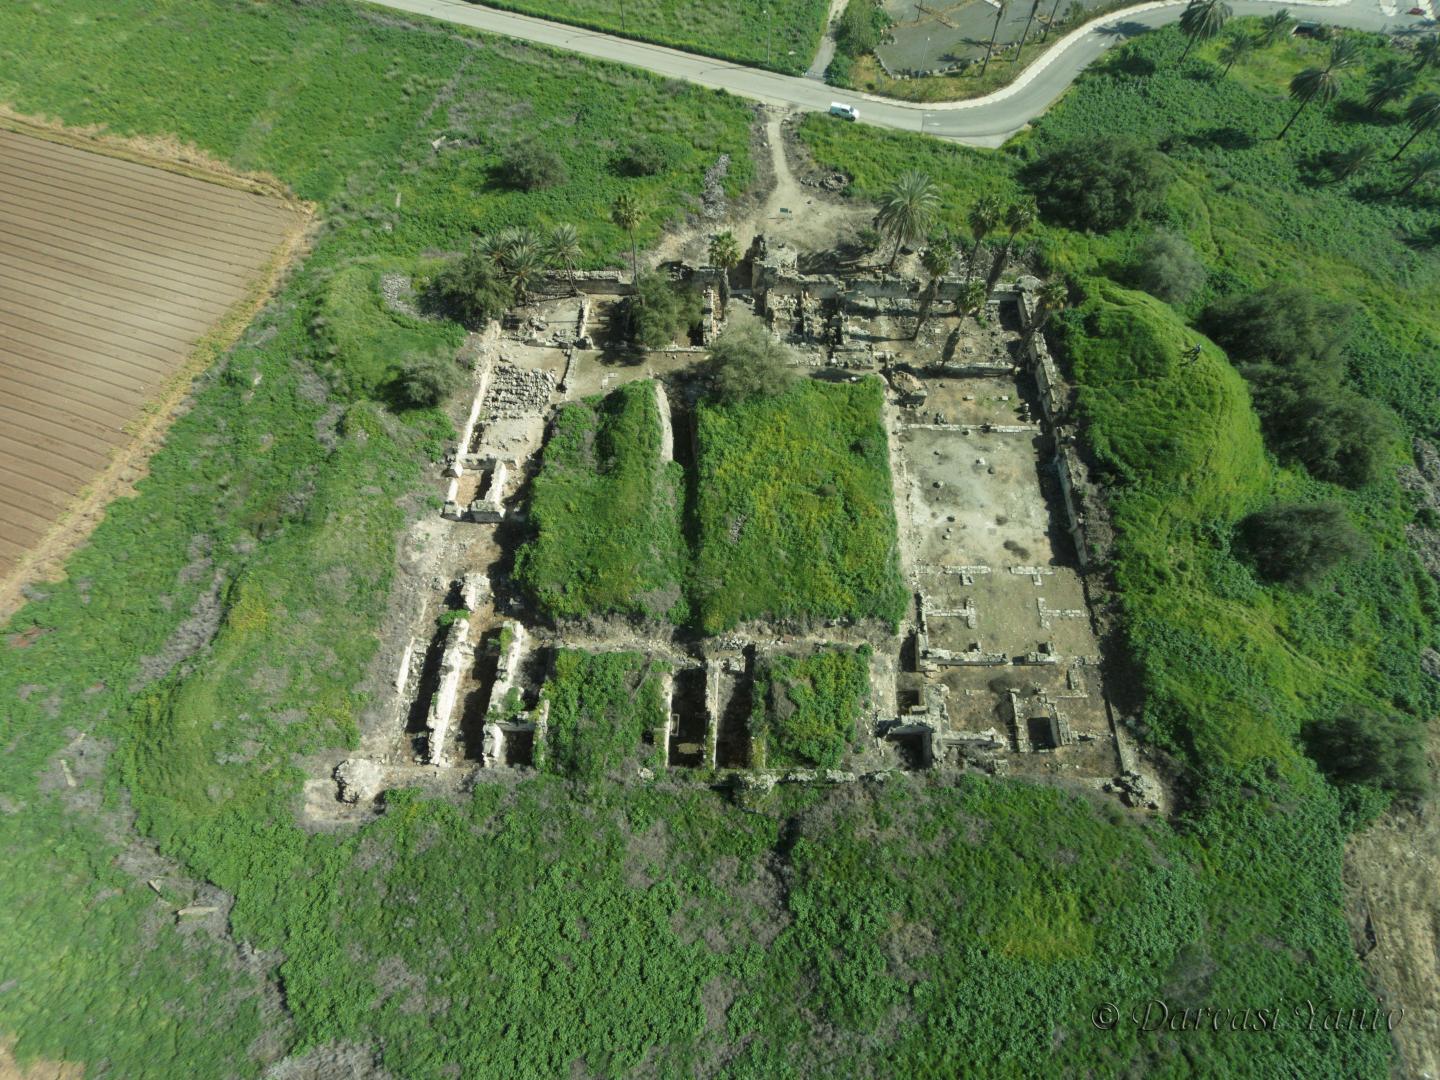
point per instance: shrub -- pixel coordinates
(528, 166)
(1363, 746)
(1297, 544)
(648, 157)
(746, 361)
(427, 379)
(1309, 417)
(1166, 266)
(471, 288)
(1282, 324)
(860, 28)
(661, 311)
(1097, 185)
(806, 709)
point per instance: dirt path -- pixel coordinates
(1391, 871)
(802, 216)
(826, 52)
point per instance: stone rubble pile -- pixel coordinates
(516, 392)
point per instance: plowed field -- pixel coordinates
(110, 274)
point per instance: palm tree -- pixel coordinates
(1274, 27)
(935, 259)
(1346, 163)
(1391, 82)
(1427, 53)
(1026, 32)
(1018, 218)
(984, 216)
(1054, 297)
(1320, 83)
(972, 297)
(907, 211)
(523, 263)
(626, 213)
(1420, 169)
(1202, 20)
(1238, 45)
(562, 248)
(1001, 7)
(724, 256)
(1049, 22)
(1422, 114)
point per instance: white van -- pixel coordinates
(849, 112)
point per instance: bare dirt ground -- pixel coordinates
(798, 214)
(36, 1070)
(1393, 906)
(123, 273)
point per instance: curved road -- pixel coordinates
(986, 121)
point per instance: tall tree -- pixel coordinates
(1346, 163)
(724, 256)
(984, 216)
(1019, 217)
(1054, 297)
(627, 214)
(1427, 52)
(1034, 7)
(1391, 82)
(562, 248)
(1001, 7)
(523, 263)
(1202, 20)
(935, 260)
(1238, 45)
(1276, 26)
(972, 298)
(1320, 84)
(907, 211)
(1049, 22)
(1419, 170)
(1422, 114)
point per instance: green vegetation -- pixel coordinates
(662, 312)
(605, 510)
(601, 707)
(781, 34)
(861, 27)
(1165, 265)
(1299, 543)
(1098, 186)
(808, 709)
(747, 362)
(795, 513)
(1375, 749)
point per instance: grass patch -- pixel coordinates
(796, 518)
(782, 35)
(605, 510)
(807, 709)
(601, 707)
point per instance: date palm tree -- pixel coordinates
(984, 216)
(1420, 169)
(1202, 20)
(1049, 22)
(907, 211)
(1422, 114)
(1427, 52)
(1346, 163)
(562, 248)
(1320, 84)
(1276, 26)
(1391, 82)
(1001, 7)
(1238, 45)
(523, 263)
(935, 260)
(724, 256)
(626, 213)
(972, 298)
(1034, 7)
(1018, 218)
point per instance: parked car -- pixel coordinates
(849, 112)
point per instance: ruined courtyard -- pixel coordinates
(995, 666)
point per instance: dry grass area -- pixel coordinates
(114, 272)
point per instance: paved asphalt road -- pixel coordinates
(986, 121)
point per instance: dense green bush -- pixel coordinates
(530, 166)
(1310, 417)
(747, 361)
(1300, 543)
(650, 156)
(1098, 185)
(1290, 325)
(1167, 266)
(601, 707)
(661, 311)
(1365, 746)
(807, 709)
(428, 378)
(471, 288)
